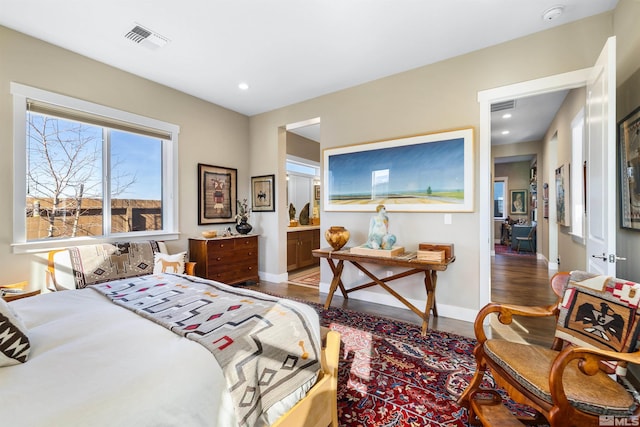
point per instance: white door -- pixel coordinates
(601, 163)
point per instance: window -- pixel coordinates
(89, 171)
(499, 197)
(577, 177)
(380, 184)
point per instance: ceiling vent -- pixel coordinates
(504, 105)
(145, 37)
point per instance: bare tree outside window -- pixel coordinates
(65, 180)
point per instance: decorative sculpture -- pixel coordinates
(379, 237)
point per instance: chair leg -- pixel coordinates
(473, 385)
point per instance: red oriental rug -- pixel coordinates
(390, 375)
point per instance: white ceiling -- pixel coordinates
(287, 51)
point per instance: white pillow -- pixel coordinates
(14, 342)
(165, 263)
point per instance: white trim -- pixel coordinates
(303, 123)
(557, 82)
(21, 94)
(444, 310)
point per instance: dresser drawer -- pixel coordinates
(228, 260)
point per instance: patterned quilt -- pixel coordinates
(266, 349)
(100, 263)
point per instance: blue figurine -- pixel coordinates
(379, 237)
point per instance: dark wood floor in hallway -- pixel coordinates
(516, 280)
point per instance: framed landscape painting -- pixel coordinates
(424, 173)
(217, 194)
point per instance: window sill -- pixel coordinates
(40, 246)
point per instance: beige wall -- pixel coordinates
(571, 252)
(302, 147)
(428, 99)
(628, 241)
(207, 131)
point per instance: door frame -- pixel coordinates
(565, 81)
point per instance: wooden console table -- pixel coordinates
(408, 260)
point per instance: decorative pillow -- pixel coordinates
(14, 343)
(165, 263)
(601, 312)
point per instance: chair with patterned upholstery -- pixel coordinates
(580, 381)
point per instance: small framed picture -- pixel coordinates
(518, 202)
(263, 196)
(217, 194)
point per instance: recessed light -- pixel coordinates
(553, 13)
(505, 132)
(506, 116)
(243, 86)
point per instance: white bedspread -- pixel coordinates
(84, 370)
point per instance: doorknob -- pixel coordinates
(612, 257)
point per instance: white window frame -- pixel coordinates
(578, 216)
(22, 93)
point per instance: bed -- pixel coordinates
(98, 357)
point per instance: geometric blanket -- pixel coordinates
(601, 312)
(265, 347)
(93, 264)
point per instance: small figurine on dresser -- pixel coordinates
(379, 237)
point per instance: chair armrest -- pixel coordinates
(50, 279)
(505, 314)
(589, 363)
(190, 268)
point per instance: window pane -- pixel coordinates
(64, 186)
(136, 182)
(498, 199)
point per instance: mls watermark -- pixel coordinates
(615, 420)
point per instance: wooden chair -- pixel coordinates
(529, 238)
(580, 381)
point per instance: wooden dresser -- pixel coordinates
(229, 260)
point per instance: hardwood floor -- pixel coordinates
(517, 280)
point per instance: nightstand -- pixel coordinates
(11, 293)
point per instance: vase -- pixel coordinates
(243, 227)
(337, 237)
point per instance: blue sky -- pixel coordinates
(141, 156)
(132, 155)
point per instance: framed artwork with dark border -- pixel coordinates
(563, 195)
(423, 173)
(518, 202)
(217, 194)
(629, 149)
(263, 195)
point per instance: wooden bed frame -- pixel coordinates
(319, 408)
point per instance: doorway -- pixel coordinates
(486, 99)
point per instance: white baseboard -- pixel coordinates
(273, 278)
(444, 310)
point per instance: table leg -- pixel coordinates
(430, 280)
(335, 282)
